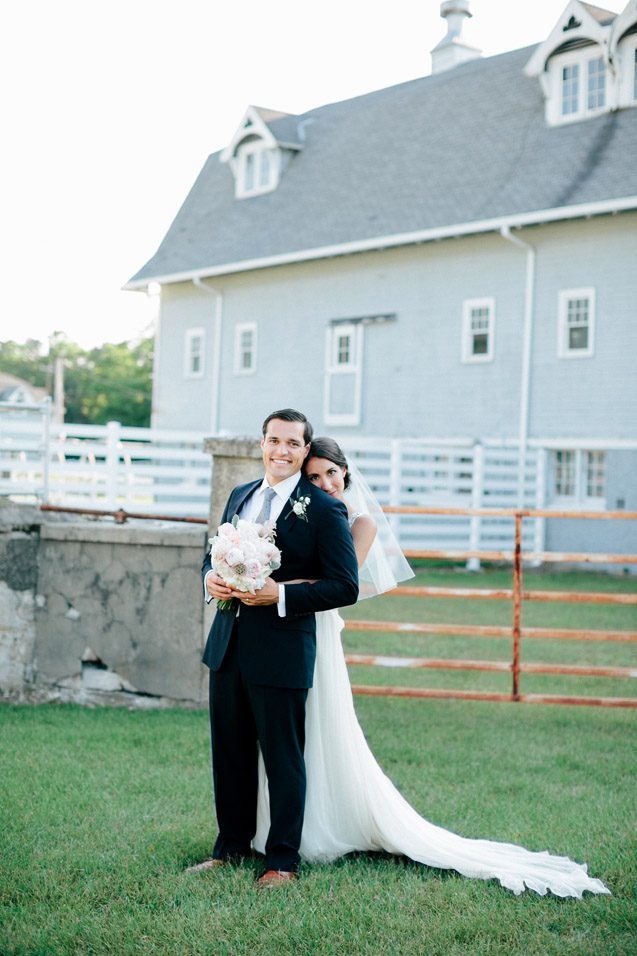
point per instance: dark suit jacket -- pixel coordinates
(280, 651)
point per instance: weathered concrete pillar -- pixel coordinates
(234, 461)
(19, 539)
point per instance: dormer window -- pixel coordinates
(258, 168)
(581, 75)
(260, 150)
(588, 63)
(596, 92)
(576, 100)
(570, 89)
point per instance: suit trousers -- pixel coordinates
(245, 716)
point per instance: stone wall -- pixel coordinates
(96, 612)
(89, 608)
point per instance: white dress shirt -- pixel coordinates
(250, 511)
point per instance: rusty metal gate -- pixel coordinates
(517, 632)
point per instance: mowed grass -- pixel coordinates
(101, 811)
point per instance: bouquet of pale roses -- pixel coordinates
(243, 554)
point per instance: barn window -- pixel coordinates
(577, 84)
(576, 322)
(258, 168)
(343, 373)
(194, 353)
(245, 348)
(596, 98)
(579, 478)
(478, 319)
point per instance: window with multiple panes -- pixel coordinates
(576, 312)
(477, 330)
(258, 169)
(344, 347)
(564, 474)
(588, 78)
(570, 89)
(595, 464)
(245, 348)
(596, 91)
(581, 80)
(579, 477)
(194, 353)
(343, 373)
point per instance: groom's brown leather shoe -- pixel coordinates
(272, 878)
(206, 865)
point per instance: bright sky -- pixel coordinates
(112, 106)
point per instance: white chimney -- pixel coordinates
(452, 49)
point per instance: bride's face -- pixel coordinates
(327, 475)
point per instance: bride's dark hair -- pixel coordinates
(327, 448)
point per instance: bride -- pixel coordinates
(351, 805)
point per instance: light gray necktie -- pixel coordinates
(264, 514)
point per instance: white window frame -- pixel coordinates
(189, 354)
(334, 368)
(580, 499)
(580, 57)
(628, 77)
(239, 330)
(467, 354)
(257, 151)
(565, 296)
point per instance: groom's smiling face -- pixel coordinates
(284, 449)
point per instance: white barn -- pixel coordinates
(451, 260)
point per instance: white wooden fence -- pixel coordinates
(102, 466)
(452, 474)
(167, 473)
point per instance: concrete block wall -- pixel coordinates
(89, 607)
(100, 613)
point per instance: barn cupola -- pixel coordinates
(260, 150)
(452, 49)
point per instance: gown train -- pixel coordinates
(352, 805)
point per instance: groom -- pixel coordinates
(261, 659)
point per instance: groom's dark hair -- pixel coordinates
(291, 415)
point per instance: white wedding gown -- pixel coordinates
(351, 804)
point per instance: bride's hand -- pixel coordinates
(268, 594)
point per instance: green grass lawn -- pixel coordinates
(101, 811)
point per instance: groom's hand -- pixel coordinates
(269, 594)
(217, 588)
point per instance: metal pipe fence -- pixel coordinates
(516, 594)
(516, 632)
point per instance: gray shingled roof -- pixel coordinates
(461, 146)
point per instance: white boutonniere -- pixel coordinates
(299, 506)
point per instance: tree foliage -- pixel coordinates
(111, 382)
